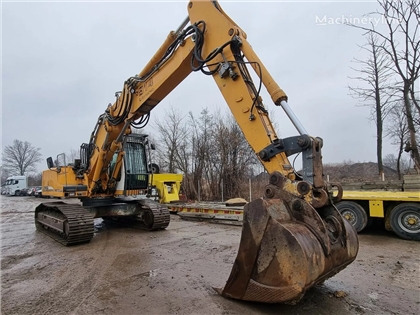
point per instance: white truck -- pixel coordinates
(14, 184)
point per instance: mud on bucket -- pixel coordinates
(286, 249)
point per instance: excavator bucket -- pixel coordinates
(287, 247)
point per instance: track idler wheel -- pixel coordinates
(287, 247)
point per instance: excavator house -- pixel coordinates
(292, 238)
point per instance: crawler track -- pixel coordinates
(153, 216)
(68, 224)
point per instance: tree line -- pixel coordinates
(210, 150)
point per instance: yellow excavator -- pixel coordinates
(292, 238)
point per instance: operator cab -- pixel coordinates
(135, 170)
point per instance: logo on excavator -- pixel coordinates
(144, 88)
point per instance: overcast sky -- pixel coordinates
(62, 62)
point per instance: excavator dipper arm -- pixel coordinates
(293, 237)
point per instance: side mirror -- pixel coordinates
(152, 146)
(50, 163)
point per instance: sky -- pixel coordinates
(62, 63)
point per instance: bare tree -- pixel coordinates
(375, 74)
(201, 142)
(391, 161)
(402, 19)
(171, 132)
(232, 158)
(4, 174)
(415, 97)
(398, 132)
(72, 155)
(240, 159)
(21, 157)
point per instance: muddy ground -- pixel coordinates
(128, 271)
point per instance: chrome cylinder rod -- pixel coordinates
(293, 118)
(183, 24)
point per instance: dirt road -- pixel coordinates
(128, 271)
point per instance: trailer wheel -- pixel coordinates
(354, 213)
(405, 221)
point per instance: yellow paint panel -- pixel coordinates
(376, 208)
(168, 186)
(411, 196)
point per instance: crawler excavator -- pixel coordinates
(292, 238)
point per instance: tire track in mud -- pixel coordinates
(76, 285)
(66, 284)
(17, 225)
(155, 278)
(104, 261)
(13, 209)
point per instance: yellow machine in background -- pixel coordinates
(167, 187)
(292, 238)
